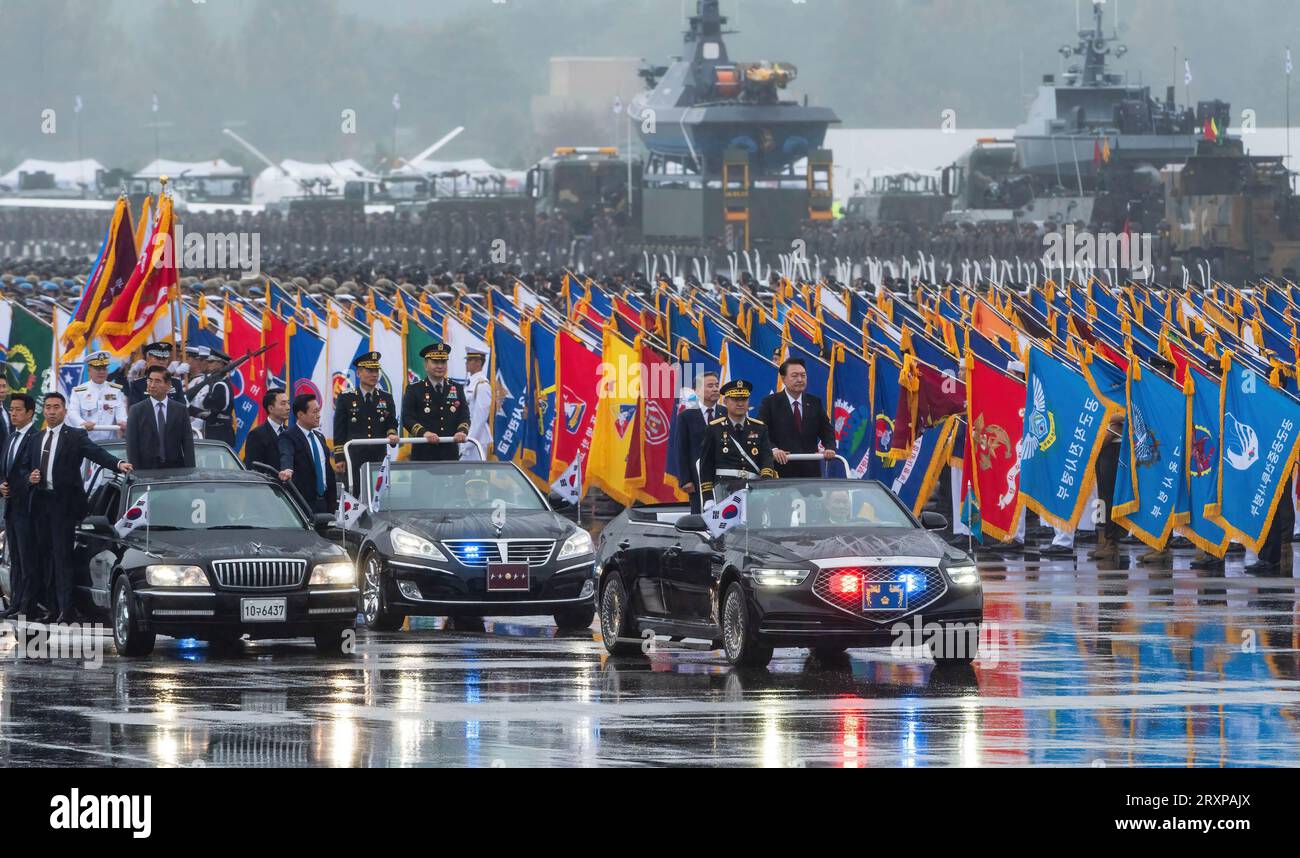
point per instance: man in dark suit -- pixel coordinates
(692, 429)
(305, 459)
(158, 433)
(25, 586)
(155, 354)
(435, 408)
(58, 499)
(263, 443)
(796, 421)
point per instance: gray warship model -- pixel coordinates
(729, 160)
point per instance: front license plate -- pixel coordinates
(263, 610)
(505, 577)
(884, 596)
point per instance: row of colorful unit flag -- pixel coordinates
(1017, 389)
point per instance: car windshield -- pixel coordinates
(207, 457)
(452, 485)
(218, 505)
(825, 504)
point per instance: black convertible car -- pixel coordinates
(468, 539)
(823, 564)
(226, 553)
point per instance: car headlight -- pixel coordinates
(778, 577)
(964, 576)
(170, 575)
(334, 572)
(414, 545)
(578, 543)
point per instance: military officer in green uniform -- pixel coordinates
(736, 448)
(365, 411)
(435, 408)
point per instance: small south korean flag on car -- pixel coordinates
(136, 516)
(726, 513)
(381, 482)
(569, 484)
(349, 510)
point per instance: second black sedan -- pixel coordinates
(822, 564)
(467, 539)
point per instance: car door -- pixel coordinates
(94, 555)
(688, 576)
(638, 545)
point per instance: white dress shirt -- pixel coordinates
(47, 478)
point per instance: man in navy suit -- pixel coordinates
(58, 494)
(305, 458)
(262, 447)
(796, 421)
(158, 431)
(692, 429)
(25, 586)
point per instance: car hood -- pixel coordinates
(226, 544)
(515, 524)
(802, 544)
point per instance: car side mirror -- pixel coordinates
(98, 525)
(322, 520)
(932, 520)
(557, 501)
(692, 524)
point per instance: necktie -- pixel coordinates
(45, 457)
(709, 412)
(162, 435)
(318, 462)
(798, 417)
(9, 454)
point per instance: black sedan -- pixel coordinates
(225, 553)
(822, 564)
(467, 539)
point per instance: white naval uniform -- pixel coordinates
(196, 401)
(101, 404)
(478, 390)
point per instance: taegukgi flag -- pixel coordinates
(135, 517)
(1259, 430)
(349, 510)
(727, 513)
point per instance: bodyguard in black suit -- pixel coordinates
(305, 458)
(58, 499)
(435, 408)
(692, 429)
(795, 422)
(26, 586)
(262, 446)
(155, 354)
(158, 432)
(6, 424)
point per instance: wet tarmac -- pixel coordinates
(1080, 666)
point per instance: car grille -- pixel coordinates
(259, 574)
(481, 552)
(928, 585)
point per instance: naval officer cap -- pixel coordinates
(99, 360)
(470, 354)
(368, 360)
(158, 350)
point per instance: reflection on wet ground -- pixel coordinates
(1080, 666)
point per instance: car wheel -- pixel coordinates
(374, 607)
(128, 639)
(335, 640)
(575, 619)
(614, 619)
(739, 637)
